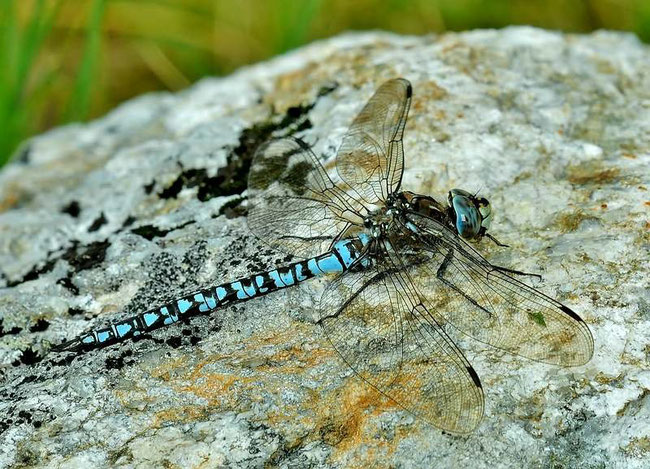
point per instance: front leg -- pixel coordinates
(498, 268)
(505, 269)
(496, 241)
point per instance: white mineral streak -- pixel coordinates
(95, 220)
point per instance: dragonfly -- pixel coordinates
(401, 269)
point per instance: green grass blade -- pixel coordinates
(79, 103)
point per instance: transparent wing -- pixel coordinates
(376, 322)
(294, 205)
(493, 307)
(371, 157)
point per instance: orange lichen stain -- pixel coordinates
(301, 86)
(439, 114)
(631, 156)
(637, 447)
(347, 420)
(215, 387)
(297, 88)
(180, 414)
(569, 222)
(452, 45)
(128, 397)
(295, 360)
(270, 358)
(165, 370)
(560, 131)
(592, 173)
(9, 201)
(344, 419)
(603, 206)
(426, 92)
(647, 203)
(345, 415)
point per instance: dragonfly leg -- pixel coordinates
(496, 241)
(516, 272)
(442, 270)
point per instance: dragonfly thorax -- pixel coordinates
(468, 215)
(381, 220)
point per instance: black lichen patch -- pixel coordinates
(148, 188)
(25, 154)
(296, 177)
(73, 209)
(40, 326)
(166, 273)
(98, 223)
(13, 331)
(232, 178)
(117, 363)
(174, 342)
(87, 257)
(66, 282)
(76, 311)
(234, 208)
(24, 416)
(327, 89)
(79, 257)
(150, 232)
(34, 273)
(28, 357)
(128, 222)
(188, 178)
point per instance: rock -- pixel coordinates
(147, 203)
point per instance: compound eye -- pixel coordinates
(468, 218)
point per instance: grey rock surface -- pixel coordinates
(148, 202)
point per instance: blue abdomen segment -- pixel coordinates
(339, 259)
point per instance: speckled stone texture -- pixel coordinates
(149, 202)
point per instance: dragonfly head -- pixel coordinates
(471, 215)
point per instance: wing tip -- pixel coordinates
(587, 338)
(409, 88)
(569, 312)
(474, 375)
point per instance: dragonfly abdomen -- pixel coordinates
(339, 259)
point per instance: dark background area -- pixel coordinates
(72, 60)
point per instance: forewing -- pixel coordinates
(371, 157)
(294, 206)
(375, 321)
(493, 307)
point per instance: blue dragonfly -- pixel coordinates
(401, 267)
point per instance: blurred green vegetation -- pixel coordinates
(68, 60)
